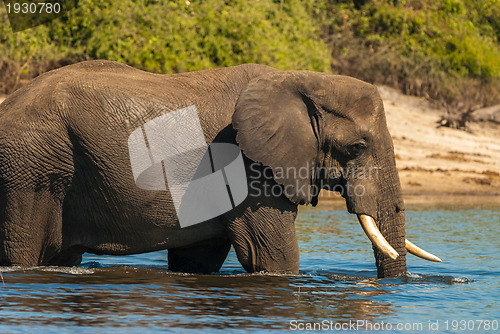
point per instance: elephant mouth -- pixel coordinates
(378, 240)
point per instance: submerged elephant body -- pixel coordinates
(67, 185)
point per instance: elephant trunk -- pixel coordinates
(377, 200)
(389, 243)
(391, 223)
(390, 218)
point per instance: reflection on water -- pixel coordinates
(124, 296)
(337, 282)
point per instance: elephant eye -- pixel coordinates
(357, 148)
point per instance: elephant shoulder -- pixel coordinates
(256, 70)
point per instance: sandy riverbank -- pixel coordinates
(435, 160)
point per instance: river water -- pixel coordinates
(336, 289)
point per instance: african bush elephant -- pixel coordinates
(67, 185)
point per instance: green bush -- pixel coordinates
(445, 50)
(169, 36)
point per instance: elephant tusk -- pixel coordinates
(417, 251)
(373, 233)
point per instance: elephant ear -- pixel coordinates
(277, 126)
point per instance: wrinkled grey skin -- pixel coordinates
(66, 185)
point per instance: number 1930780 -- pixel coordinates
(33, 8)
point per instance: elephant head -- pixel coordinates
(333, 129)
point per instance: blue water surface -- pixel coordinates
(336, 290)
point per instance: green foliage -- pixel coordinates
(456, 34)
(446, 50)
(173, 36)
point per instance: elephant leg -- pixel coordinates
(264, 238)
(67, 258)
(30, 227)
(204, 258)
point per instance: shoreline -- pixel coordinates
(432, 198)
(439, 161)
